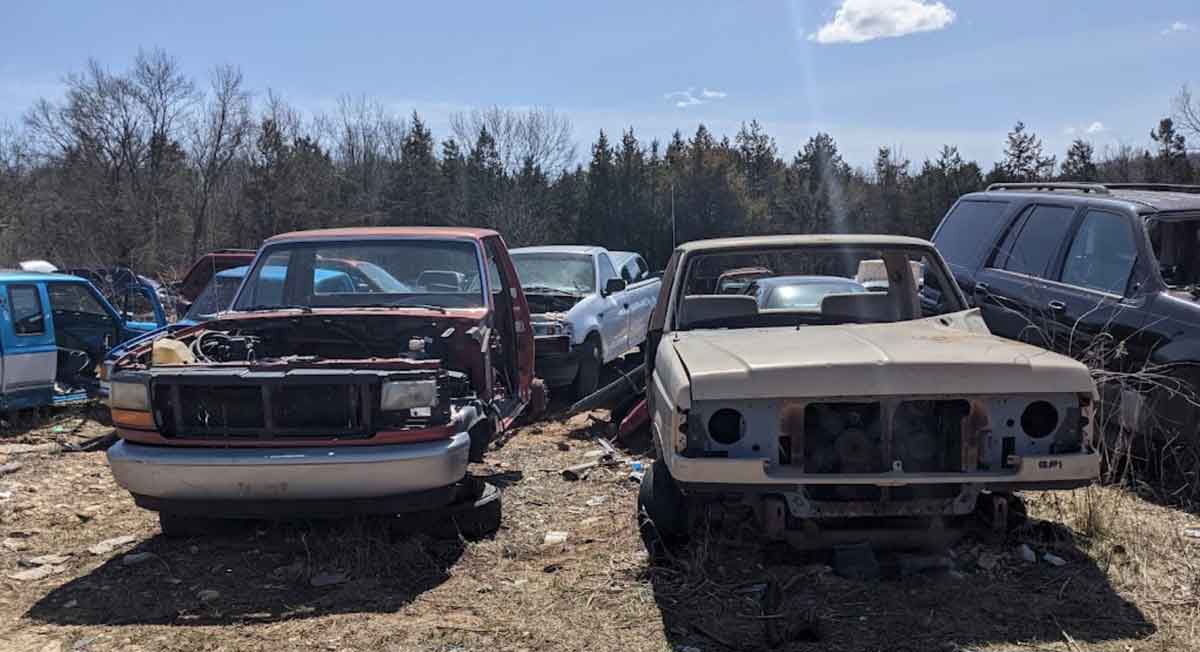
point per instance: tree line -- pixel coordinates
(149, 168)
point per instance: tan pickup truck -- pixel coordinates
(820, 410)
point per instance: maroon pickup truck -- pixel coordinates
(358, 371)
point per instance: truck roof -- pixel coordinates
(750, 242)
(559, 249)
(19, 276)
(368, 232)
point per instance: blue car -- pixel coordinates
(55, 330)
(215, 297)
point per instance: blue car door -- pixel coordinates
(29, 350)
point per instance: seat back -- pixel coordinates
(868, 307)
(700, 308)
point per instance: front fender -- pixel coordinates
(583, 320)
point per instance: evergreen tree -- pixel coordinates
(1023, 159)
(1170, 163)
(1078, 165)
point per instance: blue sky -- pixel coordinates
(913, 74)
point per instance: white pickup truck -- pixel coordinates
(589, 307)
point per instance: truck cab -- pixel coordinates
(55, 330)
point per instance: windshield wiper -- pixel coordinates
(261, 307)
(545, 289)
(426, 306)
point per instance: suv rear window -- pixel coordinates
(967, 229)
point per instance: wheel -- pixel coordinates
(476, 516)
(180, 526)
(481, 436)
(587, 379)
(662, 512)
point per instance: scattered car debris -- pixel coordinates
(1191, 533)
(554, 538)
(1027, 553)
(11, 467)
(1053, 559)
(108, 545)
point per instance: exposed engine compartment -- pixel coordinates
(542, 303)
(317, 376)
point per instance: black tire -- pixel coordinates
(180, 526)
(661, 510)
(475, 517)
(587, 379)
(481, 435)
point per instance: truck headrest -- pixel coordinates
(699, 308)
(869, 307)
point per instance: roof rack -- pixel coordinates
(1095, 188)
(232, 250)
(1162, 187)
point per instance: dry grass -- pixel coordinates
(1129, 583)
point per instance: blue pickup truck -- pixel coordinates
(55, 330)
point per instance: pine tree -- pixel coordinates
(1078, 165)
(1023, 159)
(1170, 163)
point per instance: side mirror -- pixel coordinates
(613, 286)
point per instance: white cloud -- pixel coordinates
(1176, 27)
(690, 97)
(858, 21)
(1093, 128)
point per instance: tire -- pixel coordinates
(476, 517)
(180, 526)
(481, 436)
(661, 510)
(587, 379)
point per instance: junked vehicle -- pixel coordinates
(197, 278)
(322, 392)
(216, 297)
(138, 298)
(884, 416)
(586, 314)
(736, 281)
(55, 329)
(1109, 273)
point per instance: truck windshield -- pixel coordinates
(554, 272)
(217, 295)
(376, 273)
(814, 285)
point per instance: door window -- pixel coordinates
(73, 297)
(26, 310)
(1102, 254)
(1032, 243)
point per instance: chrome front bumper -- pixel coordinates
(327, 473)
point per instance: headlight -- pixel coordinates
(551, 328)
(408, 394)
(129, 396)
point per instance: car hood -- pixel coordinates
(920, 357)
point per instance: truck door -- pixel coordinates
(614, 318)
(1011, 288)
(1094, 299)
(30, 354)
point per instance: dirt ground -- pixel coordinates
(1129, 581)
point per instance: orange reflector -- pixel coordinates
(133, 419)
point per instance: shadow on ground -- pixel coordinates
(755, 598)
(262, 573)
